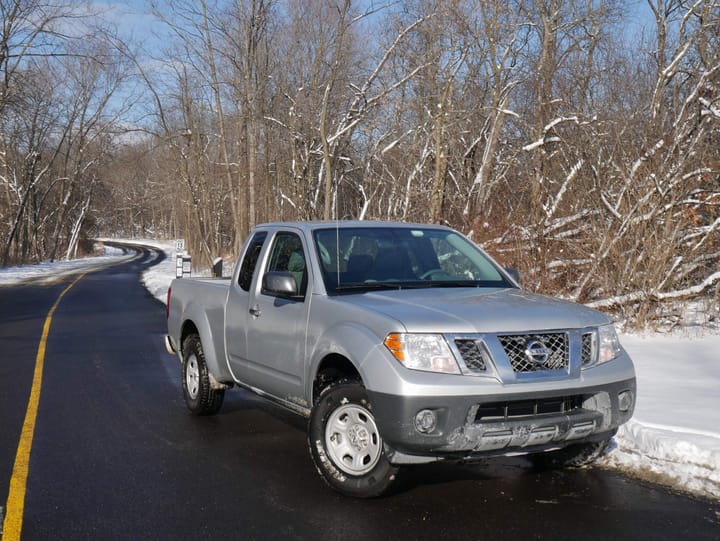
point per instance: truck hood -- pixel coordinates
(472, 310)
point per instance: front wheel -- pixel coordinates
(200, 397)
(345, 442)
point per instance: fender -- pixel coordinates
(213, 348)
(362, 347)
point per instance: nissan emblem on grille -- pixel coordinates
(537, 352)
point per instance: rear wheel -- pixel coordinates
(345, 442)
(200, 397)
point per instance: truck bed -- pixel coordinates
(202, 300)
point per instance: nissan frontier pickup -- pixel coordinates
(402, 344)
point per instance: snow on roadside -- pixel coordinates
(671, 456)
(674, 436)
(49, 271)
(157, 278)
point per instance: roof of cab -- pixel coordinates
(327, 224)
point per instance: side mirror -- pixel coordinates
(514, 274)
(279, 283)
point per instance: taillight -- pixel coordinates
(167, 306)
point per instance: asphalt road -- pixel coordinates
(116, 455)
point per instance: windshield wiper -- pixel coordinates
(453, 283)
(469, 283)
(369, 286)
(420, 284)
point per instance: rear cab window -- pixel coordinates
(249, 262)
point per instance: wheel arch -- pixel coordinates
(331, 368)
(188, 328)
(191, 326)
(342, 351)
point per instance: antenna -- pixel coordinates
(337, 237)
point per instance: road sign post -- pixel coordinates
(183, 261)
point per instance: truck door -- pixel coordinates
(276, 326)
(238, 303)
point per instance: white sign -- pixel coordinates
(180, 245)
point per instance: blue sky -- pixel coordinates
(134, 17)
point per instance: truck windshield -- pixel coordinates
(369, 258)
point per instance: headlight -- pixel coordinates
(608, 344)
(427, 352)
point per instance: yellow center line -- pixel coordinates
(12, 525)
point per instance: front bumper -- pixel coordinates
(501, 424)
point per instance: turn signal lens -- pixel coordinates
(395, 345)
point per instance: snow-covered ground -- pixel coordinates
(674, 437)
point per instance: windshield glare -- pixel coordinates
(372, 258)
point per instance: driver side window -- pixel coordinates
(287, 255)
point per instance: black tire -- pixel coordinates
(200, 398)
(572, 456)
(345, 443)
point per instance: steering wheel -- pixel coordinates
(434, 274)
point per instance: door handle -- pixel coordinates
(255, 311)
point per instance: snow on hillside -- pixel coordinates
(674, 437)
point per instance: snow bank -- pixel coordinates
(157, 278)
(674, 436)
(686, 459)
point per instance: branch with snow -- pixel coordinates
(544, 137)
(644, 295)
(552, 207)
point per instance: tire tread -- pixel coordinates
(209, 400)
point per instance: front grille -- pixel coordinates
(518, 347)
(471, 354)
(587, 349)
(503, 411)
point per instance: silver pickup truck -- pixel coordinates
(402, 344)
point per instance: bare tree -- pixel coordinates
(57, 87)
(581, 153)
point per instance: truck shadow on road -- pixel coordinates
(283, 435)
